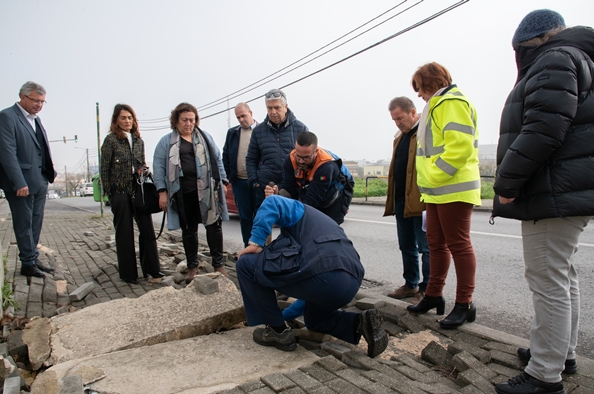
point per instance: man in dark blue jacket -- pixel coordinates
(234, 154)
(271, 142)
(312, 260)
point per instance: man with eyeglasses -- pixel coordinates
(26, 167)
(316, 177)
(270, 144)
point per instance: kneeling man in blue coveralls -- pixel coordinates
(312, 260)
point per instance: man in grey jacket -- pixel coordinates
(26, 167)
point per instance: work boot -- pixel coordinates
(284, 341)
(403, 292)
(525, 383)
(370, 326)
(571, 366)
(418, 297)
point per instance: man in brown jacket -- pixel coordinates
(404, 201)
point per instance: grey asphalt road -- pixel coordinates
(503, 299)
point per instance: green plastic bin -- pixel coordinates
(96, 192)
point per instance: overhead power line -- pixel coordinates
(409, 28)
(244, 89)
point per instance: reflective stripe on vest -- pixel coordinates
(460, 187)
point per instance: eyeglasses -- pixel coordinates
(275, 93)
(36, 101)
(303, 158)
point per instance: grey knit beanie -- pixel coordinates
(536, 24)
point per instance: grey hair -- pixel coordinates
(30, 86)
(404, 103)
(283, 97)
(538, 41)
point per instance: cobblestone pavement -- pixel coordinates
(421, 357)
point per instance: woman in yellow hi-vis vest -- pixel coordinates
(449, 180)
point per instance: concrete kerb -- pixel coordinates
(486, 204)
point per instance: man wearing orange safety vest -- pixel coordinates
(316, 177)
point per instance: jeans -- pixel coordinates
(323, 294)
(549, 246)
(246, 205)
(412, 242)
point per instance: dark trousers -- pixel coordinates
(448, 235)
(27, 220)
(189, 224)
(123, 217)
(245, 199)
(412, 242)
(323, 295)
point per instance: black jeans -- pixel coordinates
(189, 220)
(123, 216)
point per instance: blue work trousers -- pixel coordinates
(323, 295)
(412, 242)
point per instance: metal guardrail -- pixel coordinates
(367, 178)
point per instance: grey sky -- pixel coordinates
(155, 54)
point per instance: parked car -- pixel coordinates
(52, 195)
(86, 189)
(231, 207)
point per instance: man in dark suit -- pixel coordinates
(25, 169)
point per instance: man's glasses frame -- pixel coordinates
(36, 101)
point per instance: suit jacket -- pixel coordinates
(20, 153)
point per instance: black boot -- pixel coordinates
(458, 315)
(428, 303)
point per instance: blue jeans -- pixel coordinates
(412, 242)
(246, 205)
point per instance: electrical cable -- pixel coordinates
(223, 99)
(409, 28)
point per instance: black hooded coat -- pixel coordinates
(545, 155)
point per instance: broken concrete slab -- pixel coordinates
(37, 338)
(126, 371)
(159, 316)
(82, 291)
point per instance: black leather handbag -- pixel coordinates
(145, 198)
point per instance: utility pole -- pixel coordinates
(228, 115)
(88, 167)
(99, 157)
(66, 181)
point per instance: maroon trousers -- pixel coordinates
(448, 233)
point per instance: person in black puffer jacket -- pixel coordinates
(545, 162)
(271, 142)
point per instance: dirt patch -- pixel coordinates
(411, 343)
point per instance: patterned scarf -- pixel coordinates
(423, 123)
(210, 195)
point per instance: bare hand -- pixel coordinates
(23, 192)
(504, 200)
(269, 191)
(250, 249)
(163, 203)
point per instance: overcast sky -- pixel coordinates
(155, 54)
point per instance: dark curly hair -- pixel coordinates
(180, 109)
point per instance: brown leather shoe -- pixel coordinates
(191, 274)
(403, 292)
(418, 297)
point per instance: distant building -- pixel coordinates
(354, 168)
(379, 169)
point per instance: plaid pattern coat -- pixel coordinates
(119, 162)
